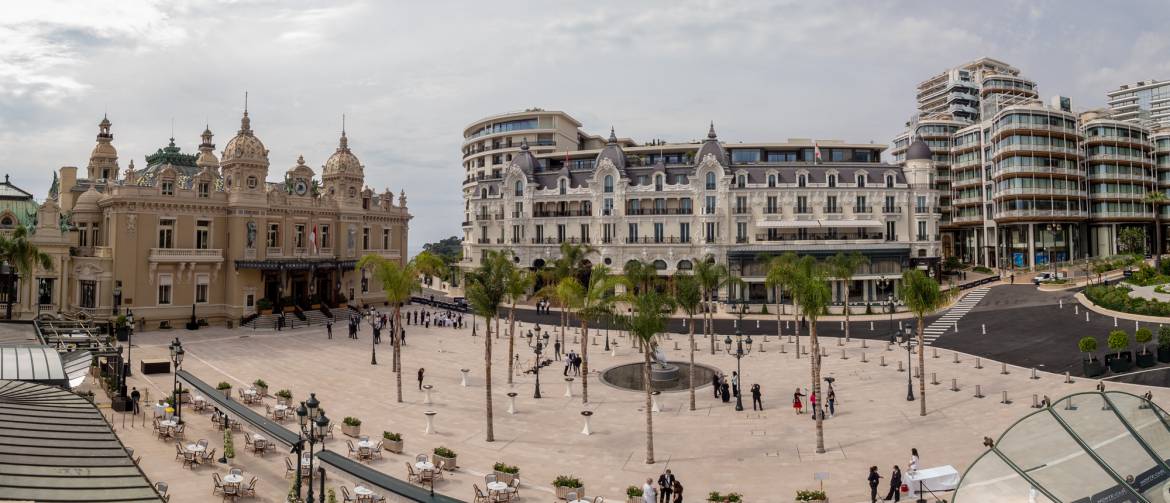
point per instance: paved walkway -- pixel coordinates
(766, 455)
(952, 316)
(1147, 292)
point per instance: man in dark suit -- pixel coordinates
(665, 482)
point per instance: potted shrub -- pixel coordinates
(633, 494)
(1143, 336)
(1118, 341)
(392, 442)
(725, 498)
(1164, 344)
(121, 328)
(1091, 366)
(225, 387)
(283, 396)
(566, 484)
(264, 306)
(351, 426)
(261, 387)
(505, 473)
(447, 456)
(811, 495)
(184, 395)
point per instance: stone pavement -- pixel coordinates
(766, 455)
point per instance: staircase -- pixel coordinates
(312, 318)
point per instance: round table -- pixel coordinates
(257, 436)
(250, 391)
(496, 486)
(362, 491)
(366, 444)
(196, 448)
(424, 465)
(233, 479)
(170, 423)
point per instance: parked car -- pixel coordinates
(1046, 277)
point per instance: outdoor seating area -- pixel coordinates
(365, 450)
(232, 486)
(361, 494)
(196, 454)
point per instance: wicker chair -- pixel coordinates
(209, 456)
(250, 490)
(410, 475)
(345, 496)
(218, 484)
(179, 451)
(353, 452)
(480, 497)
(423, 458)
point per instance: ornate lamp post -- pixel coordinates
(539, 347)
(117, 296)
(177, 359)
(909, 365)
(314, 425)
(1052, 228)
(129, 339)
(739, 353)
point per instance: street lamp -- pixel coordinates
(314, 425)
(177, 359)
(739, 353)
(1052, 228)
(117, 296)
(540, 344)
(129, 341)
(909, 365)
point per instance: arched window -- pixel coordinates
(608, 183)
(684, 265)
(710, 180)
(771, 180)
(890, 181)
(658, 183)
(660, 265)
(832, 180)
(483, 193)
(802, 180)
(519, 188)
(860, 180)
(6, 221)
(563, 185)
(741, 180)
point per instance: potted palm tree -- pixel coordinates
(1164, 344)
(566, 484)
(505, 473)
(261, 387)
(351, 426)
(811, 496)
(225, 387)
(1118, 341)
(1143, 336)
(447, 456)
(121, 328)
(392, 442)
(1091, 366)
(634, 494)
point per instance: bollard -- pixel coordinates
(1067, 378)
(956, 360)
(427, 388)
(586, 431)
(824, 352)
(463, 380)
(654, 401)
(843, 356)
(978, 391)
(954, 384)
(1114, 321)
(762, 346)
(978, 363)
(1062, 303)
(1005, 400)
(1003, 369)
(864, 345)
(1035, 401)
(512, 402)
(430, 422)
(956, 327)
(917, 372)
(840, 341)
(675, 344)
(595, 342)
(1068, 403)
(789, 337)
(1034, 375)
(933, 379)
(842, 325)
(1135, 325)
(783, 348)
(934, 352)
(803, 350)
(1086, 316)
(574, 338)
(1077, 309)
(757, 323)
(871, 326)
(889, 346)
(900, 369)
(863, 360)
(984, 325)
(884, 361)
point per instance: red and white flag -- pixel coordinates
(817, 152)
(313, 238)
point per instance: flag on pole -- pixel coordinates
(313, 238)
(816, 152)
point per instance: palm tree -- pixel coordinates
(646, 321)
(781, 276)
(398, 283)
(518, 284)
(711, 277)
(922, 295)
(568, 265)
(1156, 199)
(812, 293)
(639, 277)
(843, 266)
(595, 301)
(689, 298)
(430, 265)
(486, 288)
(22, 256)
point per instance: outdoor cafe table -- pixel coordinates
(496, 486)
(233, 479)
(363, 492)
(196, 448)
(424, 465)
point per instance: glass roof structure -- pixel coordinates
(1088, 447)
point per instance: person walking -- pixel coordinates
(665, 484)
(832, 402)
(677, 490)
(913, 459)
(895, 485)
(724, 391)
(797, 404)
(648, 493)
(735, 384)
(757, 402)
(715, 384)
(557, 350)
(420, 378)
(812, 404)
(135, 397)
(874, 481)
(329, 327)
(568, 364)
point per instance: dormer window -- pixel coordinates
(168, 188)
(771, 180)
(861, 180)
(253, 182)
(563, 186)
(519, 188)
(741, 180)
(658, 183)
(889, 181)
(710, 180)
(204, 189)
(802, 180)
(832, 180)
(608, 184)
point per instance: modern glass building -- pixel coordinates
(1087, 447)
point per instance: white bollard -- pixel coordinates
(883, 361)
(984, 326)
(934, 378)
(1135, 326)
(933, 352)
(1003, 368)
(843, 356)
(427, 397)
(430, 422)
(586, 414)
(463, 379)
(956, 327)
(1086, 316)
(978, 391)
(1034, 375)
(1114, 321)
(1005, 400)
(1067, 378)
(978, 363)
(863, 360)
(871, 326)
(1062, 303)
(842, 325)
(954, 384)
(654, 402)
(1077, 309)
(757, 323)
(900, 369)
(568, 387)
(512, 402)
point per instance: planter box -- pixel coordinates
(351, 431)
(1164, 355)
(448, 463)
(1145, 360)
(634, 499)
(394, 446)
(562, 492)
(1120, 365)
(227, 392)
(1092, 368)
(505, 477)
(262, 391)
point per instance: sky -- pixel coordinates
(409, 75)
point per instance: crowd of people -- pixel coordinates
(668, 489)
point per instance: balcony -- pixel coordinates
(891, 209)
(657, 241)
(191, 255)
(832, 209)
(742, 210)
(91, 251)
(809, 238)
(555, 241)
(802, 210)
(1040, 214)
(484, 241)
(863, 209)
(658, 211)
(566, 213)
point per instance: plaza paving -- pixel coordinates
(766, 455)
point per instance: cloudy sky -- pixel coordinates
(410, 75)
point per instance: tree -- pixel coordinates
(1156, 199)
(711, 277)
(647, 319)
(486, 288)
(639, 277)
(518, 284)
(430, 265)
(689, 298)
(568, 265)
(594, 301)
(450, 249)
(398, 283)
(843, 266)
(811, 291)
(781, 276)
(22, 256)
(1132, 240)
(923, 296)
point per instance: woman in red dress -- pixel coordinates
(796, 403)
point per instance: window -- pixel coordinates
(741, 180)
(325, 236)
(519, 188)
(861, 180)
(832, 180)
(204, 189)
(684, 232)
(890, 230)
(860, 206)
(633, 232)
(802, 180)
(164, 289)
(87, 294)
(96, 232)
(299, 236)
(685, 205)
(889, 206)
(563, 186)
(365, 282)
(802, 204)
(710, 180)
(741, 232)
(658, 183)
(201, 288)
(710, 232)
(83, 234)
(709, 205)
(922, 230)
(584, 233)
(166, 233)
(45, 290)
(203, 234)
(745, 156)
(253, 182)
(168, 188)
(831, 204)
(561, 234)
(659, 232)
(608, 183)
(771, 180)
(366, 238)
(274, 235)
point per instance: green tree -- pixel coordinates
(398, 283)
(811, 291)
(1132, 240)
(486, 289)
(843, 266)
(689, 298)
(645, 322)
(569, 264)
(923, 296)
(1156, 199)
(782, 276)
(430, 265)
(22, 256)
(593, 301)
(711, 277)
(518, 284)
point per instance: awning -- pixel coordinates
(77, 365)
(239, 411)
(387, 483)
(32, 363)
(813, 224)
(296, 264)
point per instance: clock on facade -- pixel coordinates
(300, 187)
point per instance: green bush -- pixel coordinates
(351, 421)
(284, 393)
(1143, 336)
(1164, 337)
(1117, 298)
(1146, 275)
(259, 383)
(566, 481)
(444, 452)
(764, 308)
(505, 468)
(982, 270)
(808, 495)
(396, 437)
(1118, 340)
(1088, 345)
(223, 385)
(633, 492)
